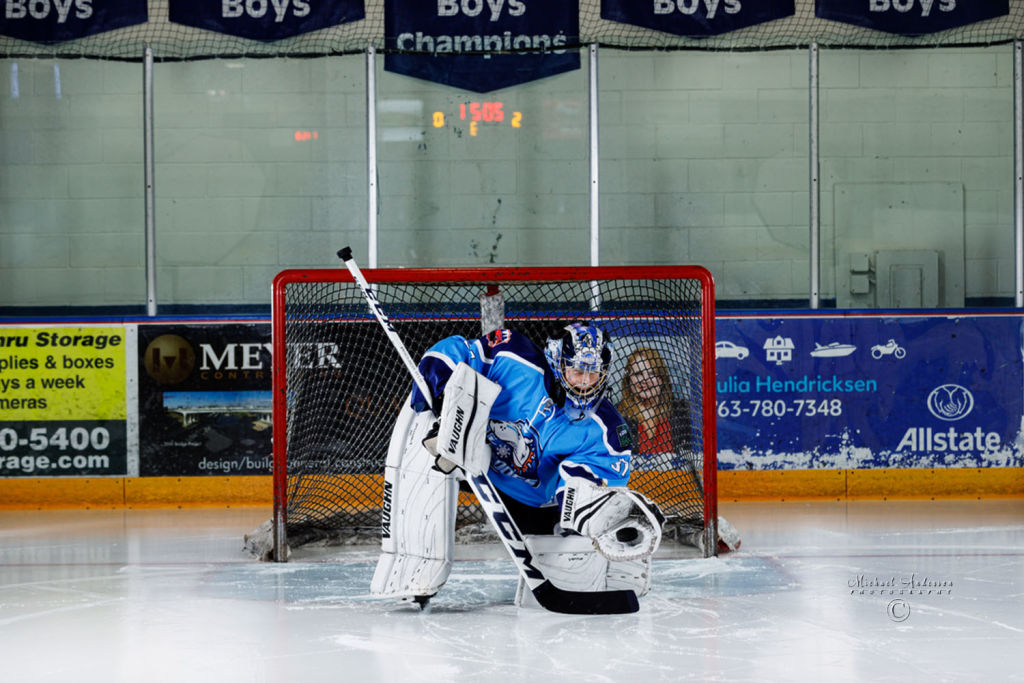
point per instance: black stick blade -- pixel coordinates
(555, 599)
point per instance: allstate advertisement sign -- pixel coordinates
(869, 392)
(481, 45)
(911, 17)
(43, 21)
(265, 20)
(695, 18)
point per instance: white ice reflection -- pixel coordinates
(817, 592)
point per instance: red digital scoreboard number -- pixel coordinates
(477, 113)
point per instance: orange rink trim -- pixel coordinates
(134, 492)
(989, 482)
(733, 485)
(141, 492)
(82, 493)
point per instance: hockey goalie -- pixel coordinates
(556, 450)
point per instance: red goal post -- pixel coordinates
(338, 382)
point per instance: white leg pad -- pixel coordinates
(418, 515)
(572, 563)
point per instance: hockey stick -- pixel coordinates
(548, 595)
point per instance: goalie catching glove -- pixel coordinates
(459, 439)
(624, 524)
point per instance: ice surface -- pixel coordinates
(810, 596)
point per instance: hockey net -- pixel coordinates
(338, 383)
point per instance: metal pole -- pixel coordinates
(147, 146)
(1018, 180)
(595, 207)
(371, 155)
(815, 217)
(595, 187)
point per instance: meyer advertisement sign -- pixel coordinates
(911, 17)
(204, 399)
(265, 20)
(54, 21)
(695, 18)
(62, 401)
(481, 46)
(869, 392)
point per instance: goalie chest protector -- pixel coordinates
(529, 435)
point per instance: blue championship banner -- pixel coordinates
(43, 21)
(911, 17)
(265, 20)
(455, 41)
(869, 392)
(695, 18)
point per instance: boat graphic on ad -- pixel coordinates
(833, 350)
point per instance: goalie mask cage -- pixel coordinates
(338, 383)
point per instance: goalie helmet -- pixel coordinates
(579, 357)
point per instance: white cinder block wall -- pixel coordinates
(261, 165)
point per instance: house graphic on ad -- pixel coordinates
(779, 350)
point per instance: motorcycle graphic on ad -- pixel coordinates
(890, 348)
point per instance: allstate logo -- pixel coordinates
(950, 402)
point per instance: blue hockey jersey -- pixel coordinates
(534, 443)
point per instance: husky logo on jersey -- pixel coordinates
(514, 444)
(498, 337)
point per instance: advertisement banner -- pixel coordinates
(62, 402)
(57, 21)
(265, 20)
(911, 17)
(204, 399)
(869, 392)
(451, 36)
(695, 18)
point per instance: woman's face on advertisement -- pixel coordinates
(644, 381)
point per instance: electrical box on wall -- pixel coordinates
(907, 279)
(899, 245)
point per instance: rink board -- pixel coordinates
(848, 404)
(733, 485)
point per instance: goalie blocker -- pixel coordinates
(461, 436)
(620, 528)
